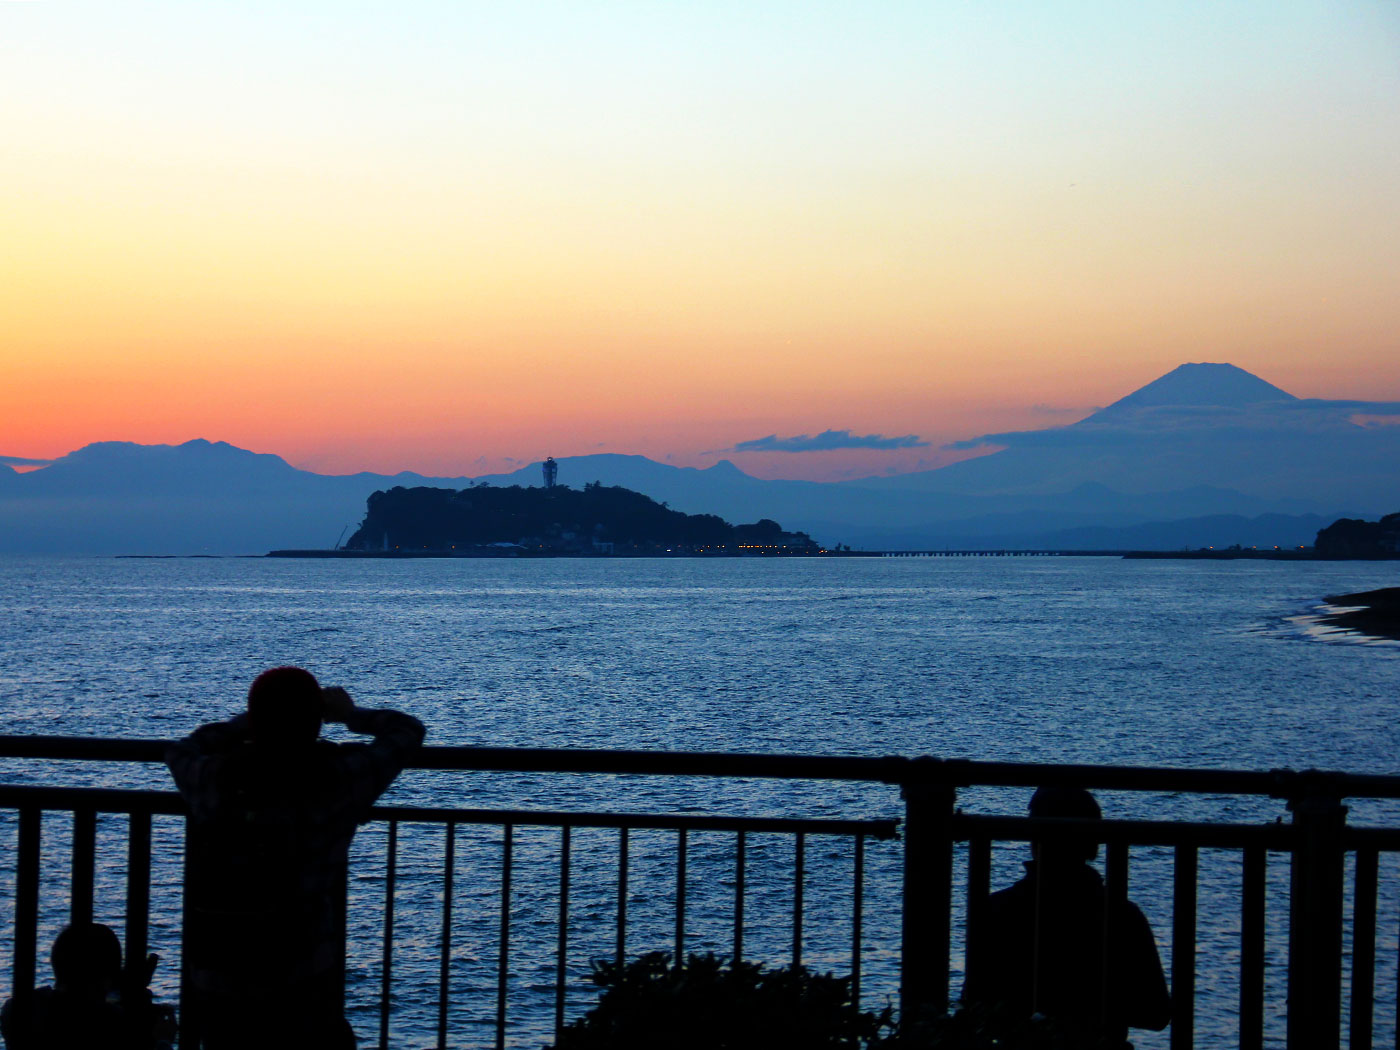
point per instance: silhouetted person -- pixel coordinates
(91, 1003)
(273, 811)
(1040, 946)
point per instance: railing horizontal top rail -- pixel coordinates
(1129, 832)
(97, 800)
(1278, 783)
(118, 800)
(1384, 839)
(878, 829)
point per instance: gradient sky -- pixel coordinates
(439, 236)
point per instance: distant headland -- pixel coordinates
(1355, 538)
(556, 520)
(1346, 539)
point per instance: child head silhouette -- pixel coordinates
(87, 959)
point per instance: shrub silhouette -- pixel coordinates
(707, 1004)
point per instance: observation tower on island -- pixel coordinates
(551, 471)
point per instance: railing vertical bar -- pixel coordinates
(190, 1033)
(386, 964)
(138, 888)
(1363, 949)
(26, 899)
(1252, 949)
(84, 848)
(503, 959)
(857, 918)
(979, 885)
(799, 876)
(681, 844)
(622, 858)
(741, 849)
(560, 975)
(449, 859)
(1183, 1033)
(1116, 893)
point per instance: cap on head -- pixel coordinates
(86, 955)
(284, 707)
(1073, 802)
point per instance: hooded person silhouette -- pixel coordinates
(1041, 945)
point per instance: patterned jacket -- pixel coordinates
(269, 835)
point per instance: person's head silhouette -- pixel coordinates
(87, 959)
(285, 707)
(1064, 802)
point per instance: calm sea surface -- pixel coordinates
(1037, 659)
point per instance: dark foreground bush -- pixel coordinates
(708, 1005)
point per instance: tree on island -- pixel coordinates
(557, 519)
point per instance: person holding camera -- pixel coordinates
(273, 809)
(93, 1002)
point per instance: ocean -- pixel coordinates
(1098, 660)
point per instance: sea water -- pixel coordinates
(1097, 660)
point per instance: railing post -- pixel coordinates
(1315, 918)
(83, 859)
(26, 899)
(138, 888)
(928, 892)
(191, 1033)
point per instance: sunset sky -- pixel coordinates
(447, 236)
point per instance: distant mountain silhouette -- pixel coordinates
(1198, 385)
(116, 497)
(1203, 441)
(195, 468)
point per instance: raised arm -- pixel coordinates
(372, 768)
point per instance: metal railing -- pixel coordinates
(1317, 843)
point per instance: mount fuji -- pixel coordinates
(1211, 426)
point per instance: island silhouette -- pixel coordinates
(485, 520)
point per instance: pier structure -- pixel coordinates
(912, 870)
(994, 552)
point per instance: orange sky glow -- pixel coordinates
(448, 241)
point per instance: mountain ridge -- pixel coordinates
(1140, 463)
